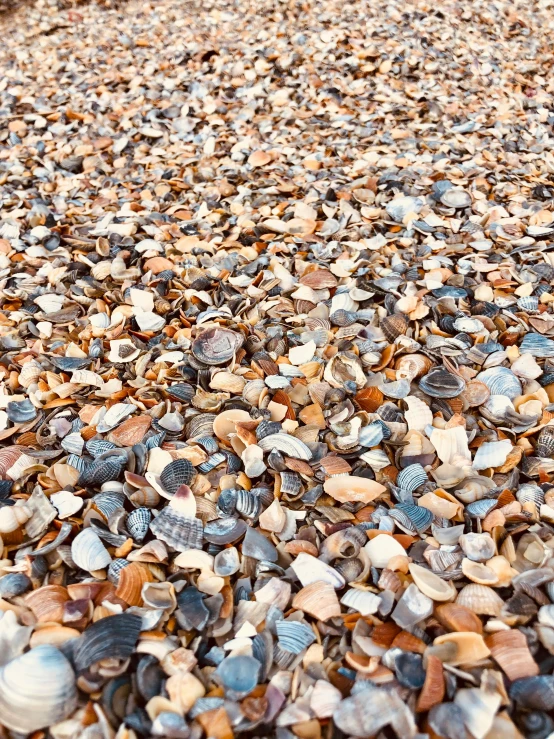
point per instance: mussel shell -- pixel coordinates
(114, 637)
(439, 383)
(21, 411)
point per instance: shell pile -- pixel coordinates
(277, 371)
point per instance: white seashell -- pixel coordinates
(377, 459)
(302, 354)
(114, 416)
(142, 299)
(418, 415)
(30, 372)
(492, 454)
(479, 708)
(478, 547)
(88, 552)
(526, 366)
(253, 458)
(431, 584)
(73, 443)
(194, 559)
(37, 690)
(273, 518)
(468, 325)
(86, 377)
(449, 443)
(309, 569)
(324, 699)
(287, 444)
(13, 637)
(342, 301)
(362, 601)
(382, 549)
(149, 321)
(12, 517)
(50, 303)
(66, 503)
(99, 320)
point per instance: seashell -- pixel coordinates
(411, 518)
(47, 603)
(393, 326)
(137, 523)
(545, 442)
(456, 617)
(510, 650)
(101, 471)
(176, 526)
(131, 431)
(480, 599)
(382, 549)
(353, 718)
(130, 583)
(294, 636)
(181, 391)
(146, 496)
(432, 692)
(481, 508)
(248, 503)
(492, 454)
(361, 601)
(530, 493)
(475, 393)
(224, 423)
(216, 346)
(478, 572)
(501, 381)
(111, 638)
(344, 367)
(455, 198)
(308, 570)
(97, 447)
(238, 675)
(286, 444)
(439, 383)
(319, 600)
(37, 690)
(177, 473)
(21, 411)
(351, 488)
(431, 584)
(88, 552)
(29, 374)
(369, 399)
(477, 547)
(257, 546)
(411, 477)
(343, 317)
(13, 584)
(534, 693)
(224, 531)
(114, 569)
(537, 345)
(478, 709)
(226, 562)
(470, 647)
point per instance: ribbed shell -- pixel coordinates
(177, 531)
(177, 473)
(137, 523)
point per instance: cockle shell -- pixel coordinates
(480, 599)
(37, 690)
(88, 552)
(287, 444)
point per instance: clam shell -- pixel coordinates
(393, 326)
(114, 569)
(361, 601)
(347, 488)
(294, 636)
(130, 583)
(480, 599)
(179, 531)
(238, 676)
(21, 411)
(431, 584)
(37, 690)
(257, 546)
(226, 562)
(225, 531)
(456, 617)
(411, 477)
(319, 600)
(412, 518)
(510, 650)
(216, 346)
(382, 549)
(537, 345)
(286, 444)
(309, 569)
(492, 454)
(88, 552)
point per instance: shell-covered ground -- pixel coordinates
(277, 370)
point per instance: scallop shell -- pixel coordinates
(37, 690)
(88, 552)
(287, 444)
(480, 599)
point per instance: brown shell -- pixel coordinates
(131, 431)
(131, 580)
(319, 279)
(432, 692)
(393, 326)
(409, 643)
(455, 617)
(369, 399)
(319, 600)
(384, 634)
(299, 545)
(510, 650)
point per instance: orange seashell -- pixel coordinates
(131, 580)
(216, 724)
(384, 634)
(227, 607)
(361, 662)
(131, 431)
(432, 692)
(318, 279)
(300, 545)
(369, 399)
(409, 643)
(511, 651)
(455, 617)
(47, 603)
(8, 457)
(505, 497)
(283, 399)
(27, 439)
(319, 600)
(334, 465)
